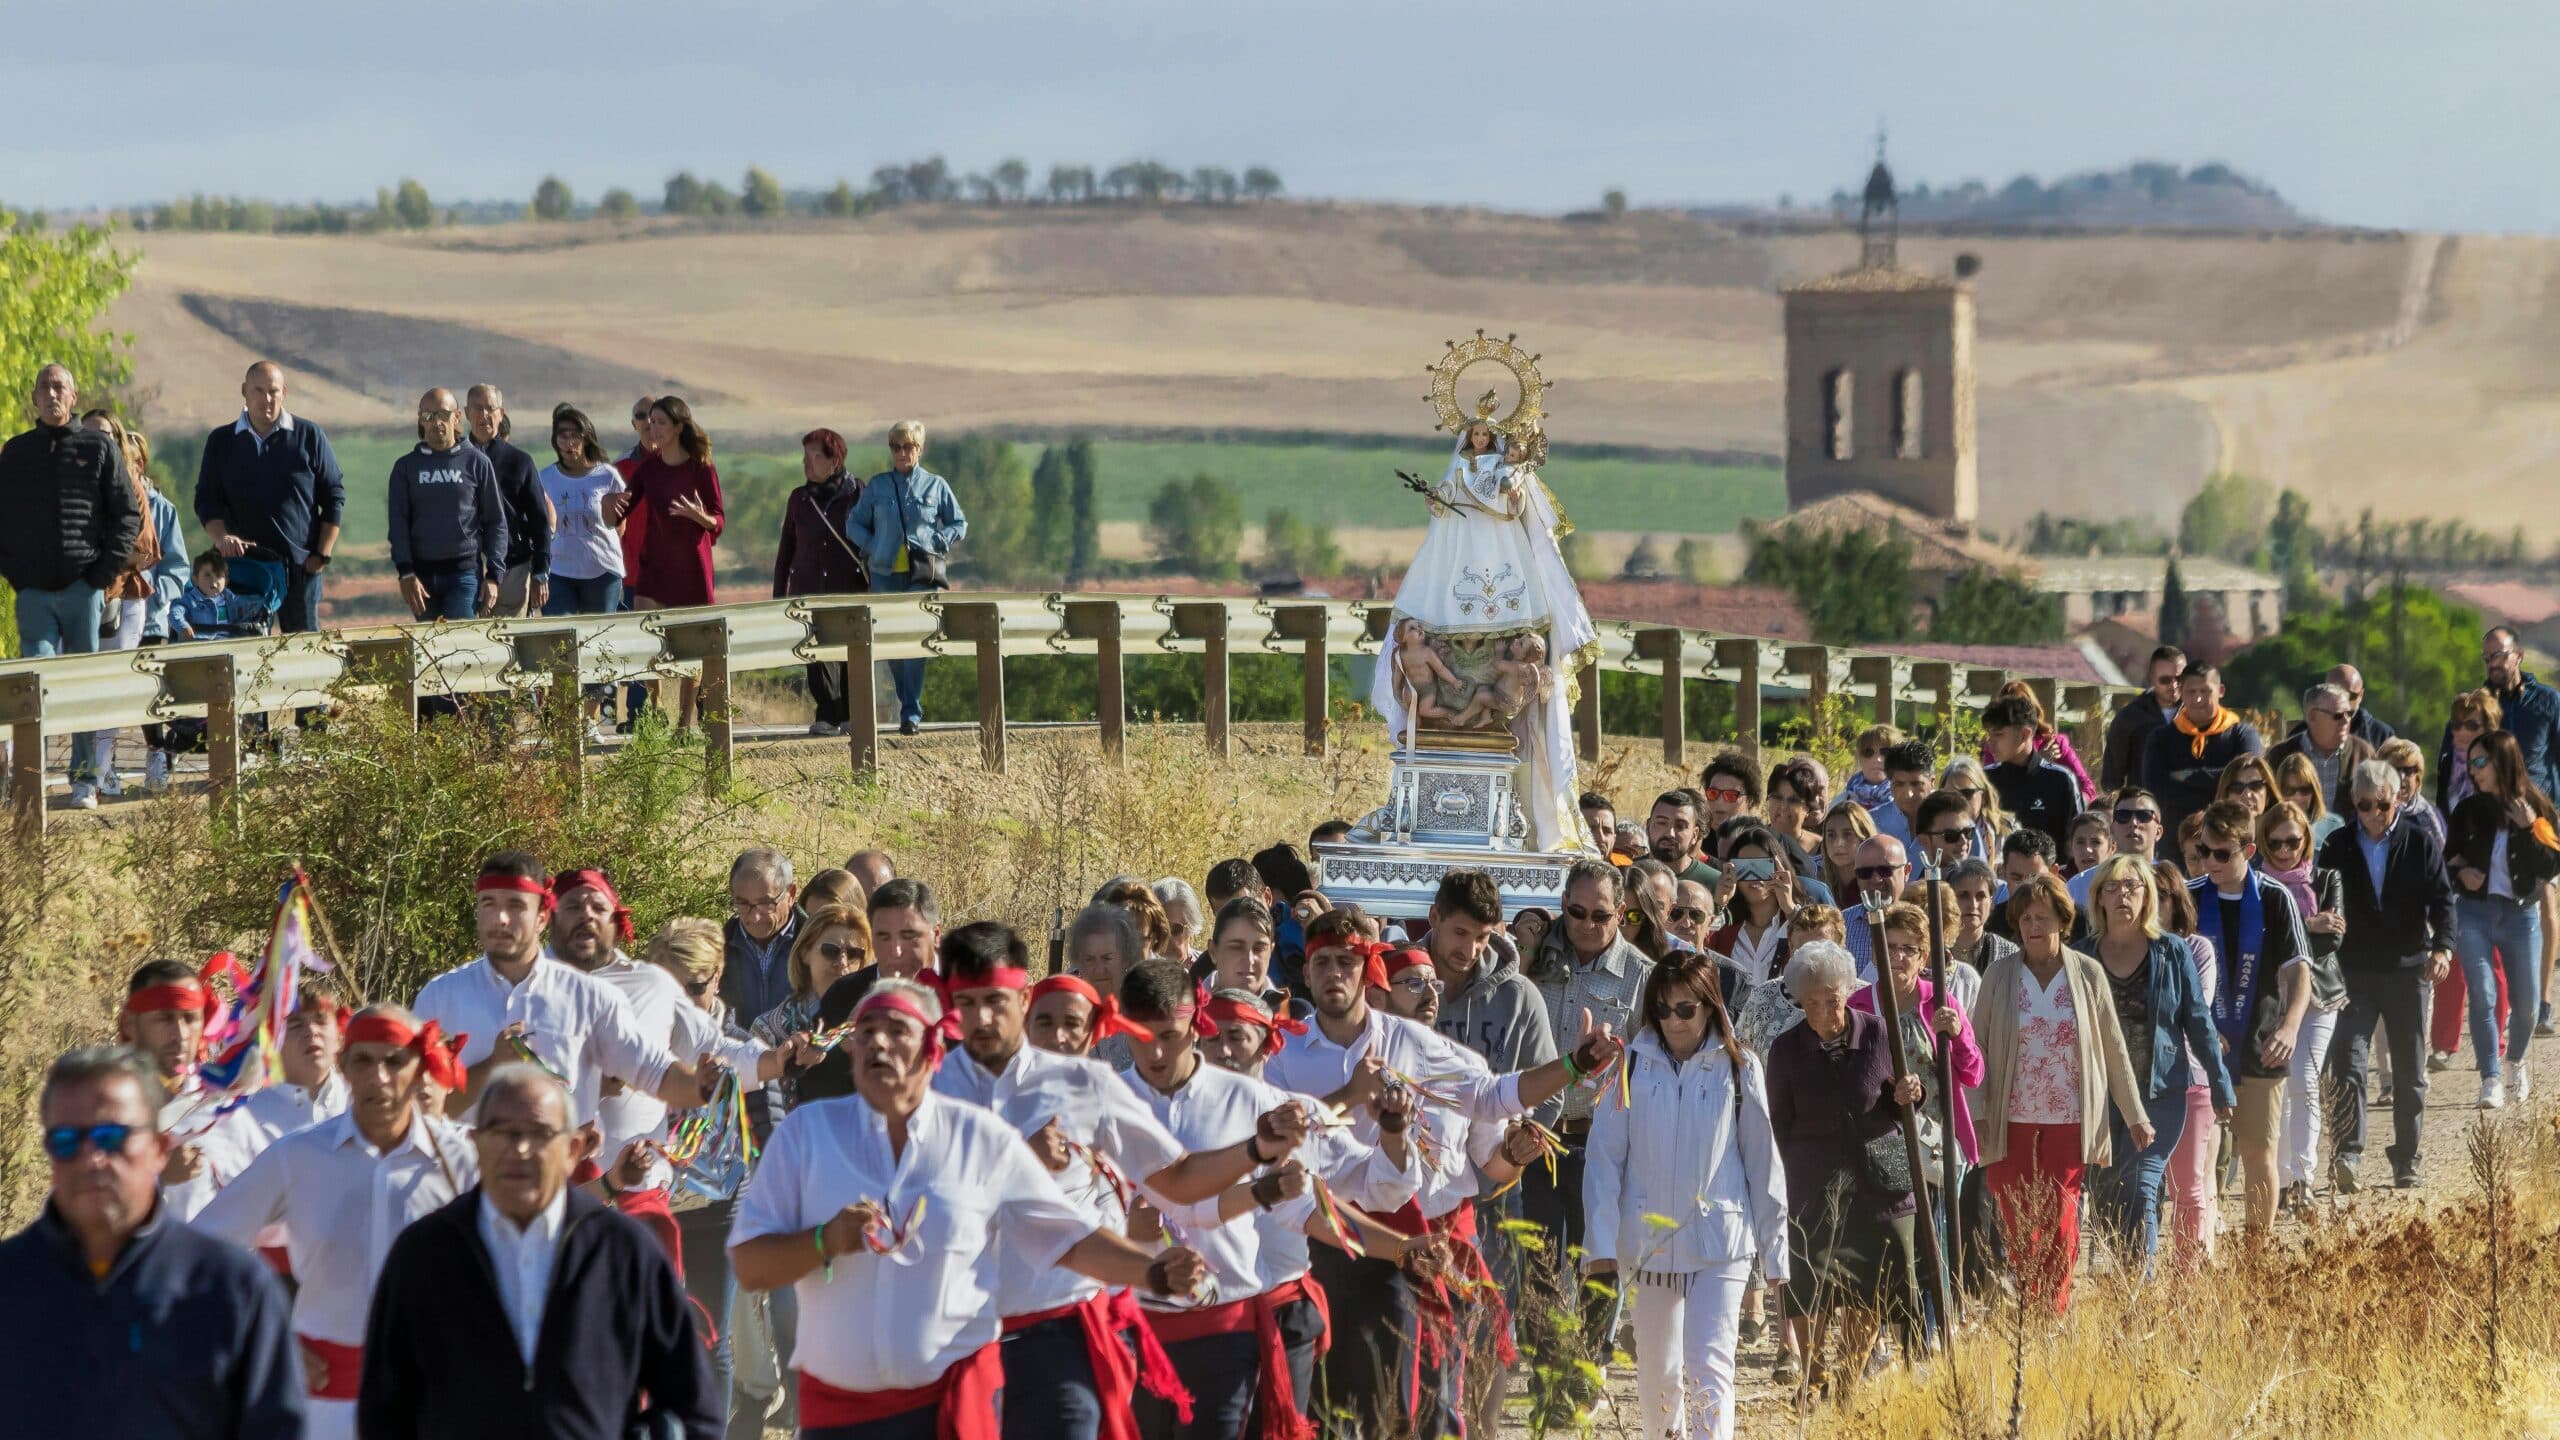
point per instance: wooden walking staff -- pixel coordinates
(1951, 1184)
(1890, 1009)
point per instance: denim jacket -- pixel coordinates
(916, 511)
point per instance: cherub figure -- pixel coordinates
(1420, 672)
(1519, 677)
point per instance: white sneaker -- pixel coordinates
(155, 773)
(84, 795)
(2493, 1093)
(2524, 1083)
(111, 785)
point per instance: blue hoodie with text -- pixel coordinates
(445, 512)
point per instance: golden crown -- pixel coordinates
(1526, 417)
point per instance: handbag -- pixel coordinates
(925, 570)
(1884, 1161)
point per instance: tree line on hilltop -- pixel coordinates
(759, 196)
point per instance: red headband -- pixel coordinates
(1202, 1026)
(1107, 1019)
(591, 879)
(1399, 961)
(439, 1052)
(1373, 960)
(1281, 1025)
(175, 995)
(520, 884)
(1003, 977)
(937, 1033)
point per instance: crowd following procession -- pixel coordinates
(1823, 1085)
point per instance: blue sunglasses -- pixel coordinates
(63, 1142)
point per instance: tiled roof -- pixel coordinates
(2510, 601)
(1936, 545)
(1755, 610)
(2070, 663)
(2074, 573)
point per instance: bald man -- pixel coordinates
(68, 518)
(530, 519)
(448, 527)
(2364, 724)
(871, 869)
(269, 495)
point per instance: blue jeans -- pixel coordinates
(601, 595)
(63, 622)
(703, 1234)
(907, 676)
(2490, 933)
(2128, 1193)
(453, 591)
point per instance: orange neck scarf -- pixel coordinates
(2222, 720)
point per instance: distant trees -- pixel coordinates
(843, 202)
(1615, 202)
(409, 206)
(551, 199)
(1261, 183)
(1299, 547)
(1983, 606)
(761, 195)
(618, 204)
(1197, 526)
(1854, 587)
(1084, 518)
(683, 194)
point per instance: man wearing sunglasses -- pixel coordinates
(2133, 823)
(2399, 943)
(2262, 993)
(2327, 738)
(2130, 731)
(1883, 871)
(121, 1320)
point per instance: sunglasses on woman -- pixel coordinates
(1682, 1010)
(2478, 762)
(837, 952)
(1755, 869)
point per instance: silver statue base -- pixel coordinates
(1446, 810)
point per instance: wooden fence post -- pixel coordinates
(848, 628)
(1206, 622)
(2091, 702)
(22, 710)
(1309, 625)
(564, 713)
(1586, 714)
(211, 681)
(1875, 671)
(1813, 662)
(982, 624)
(1099, 621)
(1939, 679)
(706, 642)
(1744, 658)
(1664, 644)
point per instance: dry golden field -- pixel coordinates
(2400, 372)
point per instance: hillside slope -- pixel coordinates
(2117, 369)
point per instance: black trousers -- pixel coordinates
(1219, 1371)
(2398, 1000)
(1049, 1391)
(1364, 1377)
(1555, 1206)
(827, 691)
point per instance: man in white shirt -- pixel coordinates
(166, 1008)
(1229, 1347)
(1349, 1058)
(513, 1004)
(342, 1190)
(312, 1091)
(881, 1208)
(1067, 1371)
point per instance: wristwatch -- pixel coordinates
(322, 557)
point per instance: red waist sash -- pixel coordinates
(1305, 1288)
(1466, 1278)
(341, 1367)
(1116, 1373)
(1280, 1417)
(965, 1396)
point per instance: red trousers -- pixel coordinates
(2445, 1035)
(2037, 1187)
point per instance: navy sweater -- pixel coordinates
(528, 509)
(188, 1338)
(275, 496)
(440, 1358)
(445, 512)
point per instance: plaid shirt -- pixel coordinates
(1607, 987)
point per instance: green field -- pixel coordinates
(1348, 486)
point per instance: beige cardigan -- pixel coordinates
(1995, 1028)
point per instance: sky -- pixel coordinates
(2421, 114)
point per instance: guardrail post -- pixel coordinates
(706, 642)
(1664, 645)
(1586, 713)
(22, 709)
(2091, 702)
(211, 681)
(564, 712)
(1744, 657)
(390, 661)
(1876, 672)
(1813, 662)
(848, 627)
(1099, 622)
(1939, 678)
(1308, 623)
(982, 624)
(1206, 622)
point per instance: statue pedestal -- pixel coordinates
(1452, 805)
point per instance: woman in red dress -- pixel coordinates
(676, 494)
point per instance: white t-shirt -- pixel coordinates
(583, 546)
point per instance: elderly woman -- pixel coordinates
(1154, 926)
(2053, 1060)
(2410, 764)
(1708, 1161)
(2286, 840)
(1929, 1020)
(1970, 942)
(2160, 1012)
(1103, 944)
(1181, 905)
(1832, 1102)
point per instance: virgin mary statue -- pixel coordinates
(1489, 629)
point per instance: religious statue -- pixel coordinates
(1487, 619)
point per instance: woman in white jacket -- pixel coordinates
(1681, 1212)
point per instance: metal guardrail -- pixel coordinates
(225, 679)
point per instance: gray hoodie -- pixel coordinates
(1499, 1014)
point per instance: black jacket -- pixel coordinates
(446, 514)
(440, 1358)
(188, 1338)
(2471, 837)
(2182, 781)
(2413, 915)
(2531, 713)
(528, 509)
(2127, 733)
(68, 513)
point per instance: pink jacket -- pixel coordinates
(2057, 750)
(1967, 1056)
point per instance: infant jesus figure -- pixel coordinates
(1518, 678)
(1420, 672)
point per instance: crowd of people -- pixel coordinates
(99, 558)
(1787, 1059)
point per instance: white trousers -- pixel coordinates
(1684, 1354)
(128, 636)
(2298, 1150)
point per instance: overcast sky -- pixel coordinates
(2422, 113)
